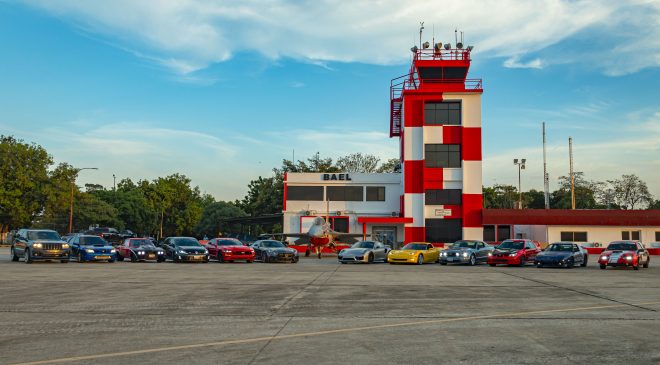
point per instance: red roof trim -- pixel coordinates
(384, 220)
(567, 217)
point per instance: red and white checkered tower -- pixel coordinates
(436, 113)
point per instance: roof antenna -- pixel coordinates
(421, 28)
(455, 35)
(433, 39)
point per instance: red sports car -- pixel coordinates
(229, 249)
(514, 252)
(624, 253)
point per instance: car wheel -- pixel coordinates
(493, 265)
(133, 258)
(539, 265)
(585, 261)
(249, 261)
(570, 263)
(64, 261)
(28, 256)
(443, 263)
(294, 260)
(646, 264)
(603, 267)
(220, 257)
(370, 259)
(636, 267)
(473, 260)
(120, 257)
(80, 257)
(14, 256)
(523, 261)
(420, 259)
(265, 258)
(111, 261)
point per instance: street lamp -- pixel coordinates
(73, 184)
(521, 166)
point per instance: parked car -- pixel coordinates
(563, 254)
(414, 253)
(229, 250)
(466, 252)
(624, 253)
(514, 252)
(127, 233)
(184, 249)
(39, 244)
(140, 249)
(364, 251)
(87, 247)
(653, 245)
(109, 234)
(274, 251)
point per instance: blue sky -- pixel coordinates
(223, 91)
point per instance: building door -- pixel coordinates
(386, 235)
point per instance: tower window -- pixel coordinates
(442, 155)
(443, 196)
(346, 193)
(443, 230)
(446, 112)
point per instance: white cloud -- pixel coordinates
(189, 35)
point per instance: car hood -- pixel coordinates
(47, 241)
(505, 250)
(354, 251)
(623, 252)
(105, 247)
(191, 249)
(280, 249)
(235, 248)
(555, 254)
(454, 250)
(147, 249)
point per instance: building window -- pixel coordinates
(340, 224)
(304, 193)
(443, 230)
(375, 193)
(630, 235)
(442, 155)
(448, 112)
(657, 236)
(503, 233)
(443, 197)
(346, 193)
(489, 233)
(574, 236)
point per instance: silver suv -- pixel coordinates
(39, 244)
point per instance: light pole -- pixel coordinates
(73, 184)
(114, 182)
(521, 166)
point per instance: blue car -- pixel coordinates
(91, 248)
(562, 254)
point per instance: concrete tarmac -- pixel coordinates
(321, 312)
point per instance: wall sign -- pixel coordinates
(333, 177)
(442, 212)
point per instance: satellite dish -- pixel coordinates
(447, 46)
(426, 45)
(414, 49)
(459, 45)
(470, 48)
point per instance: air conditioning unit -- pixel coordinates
(395, 214)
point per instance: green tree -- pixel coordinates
(210, 224)
(588, 194)
(56, 208)
(391, 165)
(23, 182)
(500, 196)
(358, 162)
(534, 199)
(631, 192)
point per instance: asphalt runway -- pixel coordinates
(321, 312)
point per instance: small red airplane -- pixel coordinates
(320, 235)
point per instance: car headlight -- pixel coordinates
(37, 245)
(140, 252)
(629, 258)
(89, 250)
(181, 252)
(603, 257)
(465, 254)
(206, 252)
(513, 254)
(490, 254)
(65, 246)
(113, 251)
(443, 254)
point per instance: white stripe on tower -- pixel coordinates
(413, 145)
(472, 177)
(414, 207)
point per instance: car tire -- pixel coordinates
(133, 258)
(64, 261)
(539, 265)
(585, 261)
(443, 263)
(111, 261)
(646, 264)
(80, 257)
(492, 265)
(570, 263)
(420, 259)
(636, 267)
(120, 257)
(265, 259)
(603, 267)
(294, 260)
(27, 256)
(248, 261)
(473, 260)
(370, 258)
(220, 258)
(523, 261)
(14, 256)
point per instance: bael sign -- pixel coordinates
(335, 177)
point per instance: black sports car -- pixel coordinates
(274, 251)
(140, 249)
(180, 249)
(562, 254)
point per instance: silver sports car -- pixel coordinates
(466, 252)
(364, 251)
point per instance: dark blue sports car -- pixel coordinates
(562, 254)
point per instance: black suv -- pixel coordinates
(39, 244)
(111, 235)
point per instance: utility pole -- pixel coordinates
(570, 157)
(114, 182)
(546, 177)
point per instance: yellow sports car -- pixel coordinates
(414, 253)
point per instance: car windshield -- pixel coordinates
(363, 244)
(563, 247)
(92, 240)
(43, 235)
(624, 246)
(142, 243)
(464, 244)
(415, 246)
(272, 244)
(512, 245)
(229, 243)
(187, 242)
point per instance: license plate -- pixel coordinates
(152, 256)
(197, 257)
(451, 259)
(102, 257)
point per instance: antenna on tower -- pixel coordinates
(570, 156)
(433, 39)
(421, 28)
(546, 177)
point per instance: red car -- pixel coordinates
(514, 252)
(624, 253)
(140, 249)
(229, 250)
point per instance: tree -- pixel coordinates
(500, 197)
(588, 194)
(630, 192)
(357, 162)
(534, 199)
(210, 224)
(23, 181)
(265, 196)
(655, 204)
(391, 165)
(58, 198)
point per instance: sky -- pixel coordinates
(222, 91)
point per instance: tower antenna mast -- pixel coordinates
(546, 177)
(570, 156)
(421, 28)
